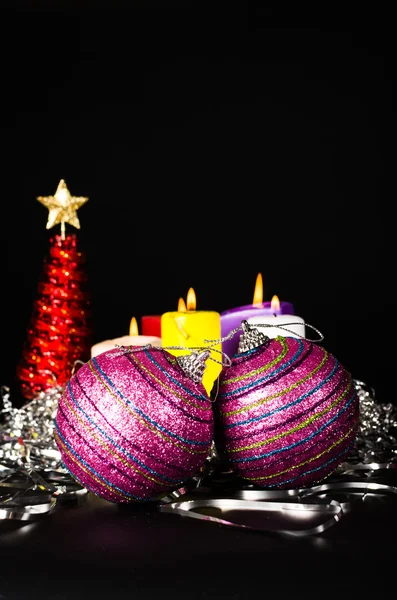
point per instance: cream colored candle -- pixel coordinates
(134, 339)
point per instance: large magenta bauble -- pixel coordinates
(288, 413)
(132, 426)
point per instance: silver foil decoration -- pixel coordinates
(32, 476)
(376, 440)
(26, 433)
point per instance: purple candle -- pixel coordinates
(231, 318)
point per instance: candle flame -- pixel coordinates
(191, 300)
(133, 327)
(275, 304)
(181, 305)
(258, 292)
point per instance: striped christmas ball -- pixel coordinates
(287, 413)
(133, 425)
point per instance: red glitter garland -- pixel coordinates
(59, 332)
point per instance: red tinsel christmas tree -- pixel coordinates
(59, 332)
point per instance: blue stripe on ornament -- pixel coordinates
(127, 441)
(178, 383)
(293, 418)
(83, 462)
(118, 446)
(257, 382)
(327, 463)
(302, 441)
(158, 389)
(285, 406)
(112, 463)
(143, 415)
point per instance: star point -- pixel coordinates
(62, 207)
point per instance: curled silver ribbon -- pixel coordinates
(287, 512)
(26, 494)
(281, 507)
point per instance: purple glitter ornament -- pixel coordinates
(288, 413)
(133, 425)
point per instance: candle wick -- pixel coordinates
(182, 329)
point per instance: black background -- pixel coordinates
(213, 144)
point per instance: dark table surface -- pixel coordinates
(91, 548)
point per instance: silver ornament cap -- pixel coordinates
(251, 338)
(194, 364)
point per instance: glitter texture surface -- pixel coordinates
(288, 413)
(132, 425)
(59, 333)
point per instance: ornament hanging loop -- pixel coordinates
(76, 362)
(128, 349)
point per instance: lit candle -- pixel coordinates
(189, 328)
(133, 339)
(275, 325)
(232, 318)
(151, 324)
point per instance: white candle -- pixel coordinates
(125, 340)
(292, 325)
(133, 339)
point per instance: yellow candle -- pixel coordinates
(189, 329)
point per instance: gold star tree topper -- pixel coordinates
(62, 207)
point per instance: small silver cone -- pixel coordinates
(250, 338)
(194, 364)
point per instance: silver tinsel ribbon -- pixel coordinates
(33, 479)
(376, 440)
